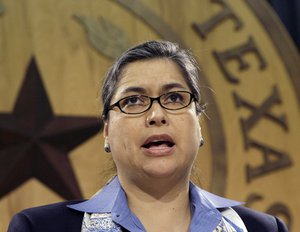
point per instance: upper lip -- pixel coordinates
(158, 138)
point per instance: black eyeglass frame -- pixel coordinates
(152, 99)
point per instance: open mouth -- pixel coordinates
(161, 143)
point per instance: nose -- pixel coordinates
(156, 116)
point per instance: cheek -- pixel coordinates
(121, 134)
(191, 130)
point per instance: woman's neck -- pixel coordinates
(163, 202)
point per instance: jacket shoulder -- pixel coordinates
(260, 222)
(53, 217)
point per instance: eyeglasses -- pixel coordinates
(137, 104)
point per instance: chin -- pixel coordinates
(162, 170)
(159, 174)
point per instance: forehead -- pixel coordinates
(152, 76)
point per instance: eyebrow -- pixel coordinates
(142, 90)
(136, 89)
(170, 86)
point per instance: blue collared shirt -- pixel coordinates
(112, 199)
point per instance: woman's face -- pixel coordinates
(157, 143)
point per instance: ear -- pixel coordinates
(199, 121)
(105, 129)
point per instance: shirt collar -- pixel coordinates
(205, 205)
(111, 199)
(210, 200)
(104, 200)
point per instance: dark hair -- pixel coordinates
(150, 50)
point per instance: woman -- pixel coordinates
(151, 113)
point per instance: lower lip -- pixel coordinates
(158, 151)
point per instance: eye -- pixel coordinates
(174, 97)
(134, 100)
